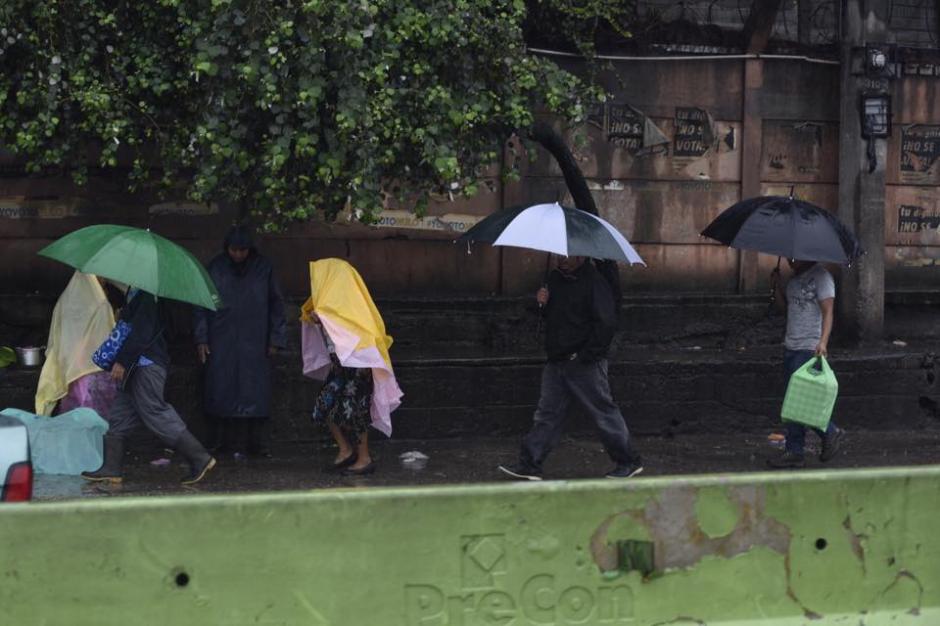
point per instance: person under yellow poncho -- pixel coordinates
(81, 321)
(344, 336)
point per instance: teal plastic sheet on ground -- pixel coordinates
(70, 443)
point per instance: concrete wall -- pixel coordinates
(660, 198)
(824, 548)
(912, 207)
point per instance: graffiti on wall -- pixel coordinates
(625, 128)
(694, 132)
(396, 218)
(17, 208)
(920, 147)
(917, 219)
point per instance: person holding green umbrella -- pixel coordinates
(151, 266)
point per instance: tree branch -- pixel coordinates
(759, 25)
(552, 141)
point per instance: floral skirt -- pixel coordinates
(346, 399)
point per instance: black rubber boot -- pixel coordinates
(111, 469)
(200, 461)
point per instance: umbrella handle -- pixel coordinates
(774, 278)
(538, 328)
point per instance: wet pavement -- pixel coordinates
(454, 461)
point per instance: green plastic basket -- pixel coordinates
(811, 394)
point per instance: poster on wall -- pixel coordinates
(625, 128)
(917, 219)
(694, 132)
(920, 147)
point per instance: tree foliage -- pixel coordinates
(295, 108)
(580, 25)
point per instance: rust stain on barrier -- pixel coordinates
(674, 522)
(855, 541)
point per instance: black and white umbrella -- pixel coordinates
(556, 229)
(786, 227)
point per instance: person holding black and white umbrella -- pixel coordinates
(580, 319)
(580, 312)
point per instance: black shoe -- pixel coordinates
(340, 466)
(521, 472)
(362, 471)
(625, 471)
(198, 474)
(111, 468)
(200, 461)
(787, 460)
(831, 443)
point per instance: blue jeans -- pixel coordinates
(796, 433)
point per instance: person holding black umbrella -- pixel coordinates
(807, 235)
(580, 317)
(809, 300)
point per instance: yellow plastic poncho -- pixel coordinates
(341, 301)
(81, 321)
(338, 292)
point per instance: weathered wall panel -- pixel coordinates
(825, 195)
(803, 151)
(912, 200)
(657, 87)
(916, 100)
(795, 90)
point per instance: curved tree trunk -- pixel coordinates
(552, 141)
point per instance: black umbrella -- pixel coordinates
(786, 227)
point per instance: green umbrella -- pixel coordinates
(139, 258)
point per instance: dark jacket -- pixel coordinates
(238, 371)
(146, 338)
(580, 317)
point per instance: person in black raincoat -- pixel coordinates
(581, 319)
(236, 343)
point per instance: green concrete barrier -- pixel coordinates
(841, 547)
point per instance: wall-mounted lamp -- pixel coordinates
(879, 62)
(876, 60)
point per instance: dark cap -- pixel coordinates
(239, 236)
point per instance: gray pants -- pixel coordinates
(142, 401)
(587, 382)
